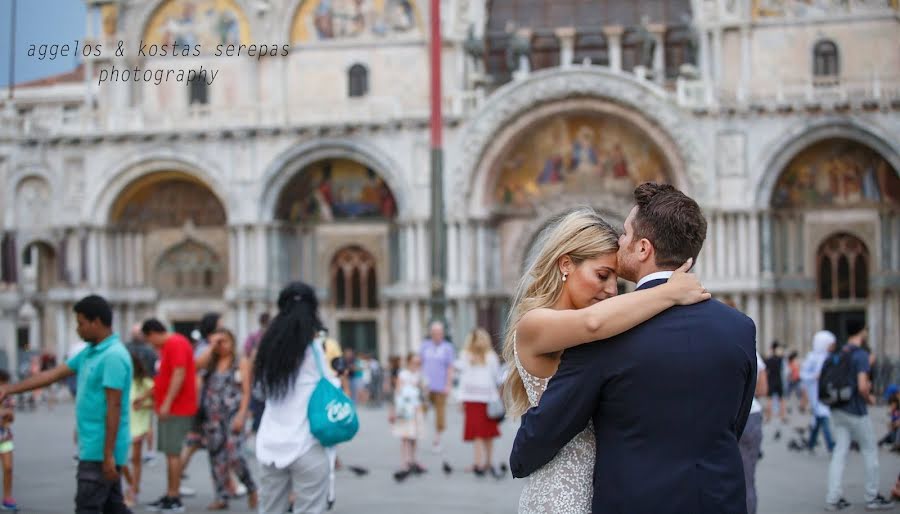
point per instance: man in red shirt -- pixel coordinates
(175, 401)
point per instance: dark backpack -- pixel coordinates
(837, 382)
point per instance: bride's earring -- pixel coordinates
(565, 276)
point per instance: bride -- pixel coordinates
(560, 304)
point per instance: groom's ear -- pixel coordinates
(645, 250)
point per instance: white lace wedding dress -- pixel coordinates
(565, 485)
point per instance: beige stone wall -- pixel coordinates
(785, 52)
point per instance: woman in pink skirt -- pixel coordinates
(479, 375)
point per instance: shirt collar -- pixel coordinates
(106, 343)
(659, 275)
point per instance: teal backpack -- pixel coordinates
(332, 416)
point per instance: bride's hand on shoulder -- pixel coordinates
(685, 287)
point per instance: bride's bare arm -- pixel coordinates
(544, 331)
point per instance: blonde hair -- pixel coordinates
(478, 346)
(582, 235)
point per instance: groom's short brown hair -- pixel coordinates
(671, 221)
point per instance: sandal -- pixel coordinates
(252, 500)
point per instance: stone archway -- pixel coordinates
(329, 203)
(171, 228)
(779, 155)
(512, 108)
(832, 207)
(288, 165)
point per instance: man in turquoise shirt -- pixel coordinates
(101, 407)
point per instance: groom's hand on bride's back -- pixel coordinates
(685, 287)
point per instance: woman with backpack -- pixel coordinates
(290, 457)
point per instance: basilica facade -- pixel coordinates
(171, 199)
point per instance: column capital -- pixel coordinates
(566, 32)
(613, 31)
(657, 29)
(524, 33)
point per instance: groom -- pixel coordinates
(669, 398)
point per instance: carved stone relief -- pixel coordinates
(731, 154)
(32, 197)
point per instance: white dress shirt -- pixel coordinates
(654, 276)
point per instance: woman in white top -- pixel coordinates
(290, 458)
(479, 376)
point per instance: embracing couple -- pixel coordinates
(650, 390)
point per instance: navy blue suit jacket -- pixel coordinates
(669, 400)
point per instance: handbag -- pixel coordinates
(332, 416)
(496, 410)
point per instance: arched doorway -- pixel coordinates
(40, 269)
(336, 230)
(354, 293)
(842, 270)
(167, 233)
(40, 274)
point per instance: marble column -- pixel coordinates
(746, 65)
(717, 55)
(465, 265)
(752, 310)
(453, 252)
(766, 335)
(232, 257)
(130, 320)
(481, 257)
(8, 337)
(566, 36)
(719, 224)
(799, 246)
(743, 244)
(895, 241)
(733, 243)
(262, 257)
(402, 332)
(767, 249)
(106, 250)
(705, 59)
(875, 321)
(241, 233)
(62, 342)
(753, 250)
(93, 257)
(496, 260)
(140, 276)
(242, 320)
(659, 56)
(613, 35)
(409, 242)
(424, 268)
(415, 325)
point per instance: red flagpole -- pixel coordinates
(438, 229)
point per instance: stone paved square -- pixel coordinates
(788, 482)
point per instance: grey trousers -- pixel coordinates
(847, 427)
(750, 444)
(307, 477)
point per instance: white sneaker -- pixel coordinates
(186, 491)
